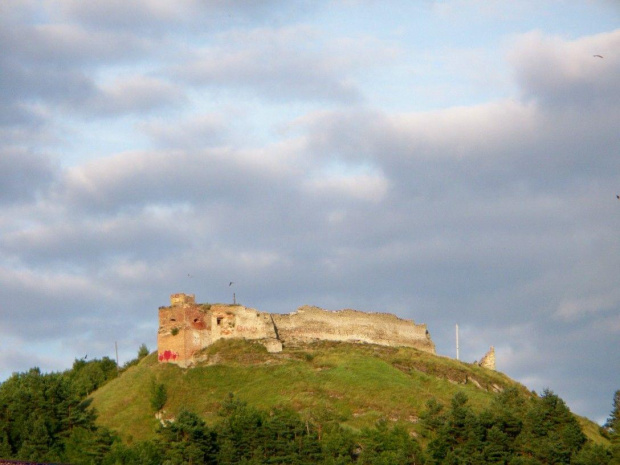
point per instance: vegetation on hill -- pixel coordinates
(358, 384)
(331, 403)
(48, 417)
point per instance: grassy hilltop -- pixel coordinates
(356, 383)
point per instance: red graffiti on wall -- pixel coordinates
(167, 356)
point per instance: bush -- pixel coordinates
(143, 351)
(159, 396)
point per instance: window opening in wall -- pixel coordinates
(195, 320)
(173, 319)
(219, 320)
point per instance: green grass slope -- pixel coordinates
(356, 383)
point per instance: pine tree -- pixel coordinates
(5, 446)
(551, 433)
(188, 440)
(240, 433)
(389, 446)
(38, 444)
(613, 426)
(613, 422)
(592, 454)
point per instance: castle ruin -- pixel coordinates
(488, 361)
(185, 328)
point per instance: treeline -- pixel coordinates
(513, 431)
(47, 418)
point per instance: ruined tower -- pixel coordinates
(488, 361)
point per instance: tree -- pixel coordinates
(89, 376)
(339, 445)
(459, 434)
(388, 446)
(159, 396)
(550, 433)
(188, 440)
(613, 422)
(592, 454)
(143, 351)
(38, 444)
(613, 426)
(88, 446)
(5, 446)
(239, 431)
(140, 453)
(432, 418)
(288, 439)
(45, 417)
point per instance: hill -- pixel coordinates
(355, 384)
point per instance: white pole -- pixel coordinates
(457, 341)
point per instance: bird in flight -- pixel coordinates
(597, 56)
(230, 284)
(618, 197)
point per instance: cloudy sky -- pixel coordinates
(448, 161)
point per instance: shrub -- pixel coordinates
(159, 396)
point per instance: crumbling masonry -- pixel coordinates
(488, 361)
(185, 328)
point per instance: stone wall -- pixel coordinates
(488, 361)
(315, 324)
(185, 328)
(240, 322)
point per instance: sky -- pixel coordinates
(451, 162)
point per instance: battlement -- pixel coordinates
(185, 328)
(177, 300)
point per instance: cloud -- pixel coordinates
(567, 74)
(369, 187)
(286, 63)
(208, 130)
(141, 15)
(571, 309)
(59, 64)
(95, 243)
(498, 144)
(162, 17)
(24, 175)
(49, 303)
(135, 94)
(136, 179)
(68, 44)
(18, 354)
